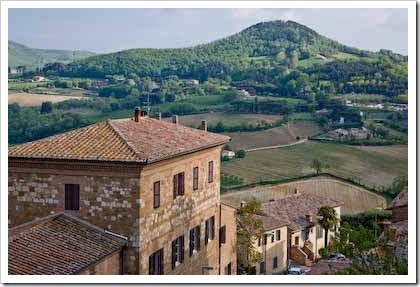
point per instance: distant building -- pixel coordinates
(228, 153)
(154, 182)
(38, 79)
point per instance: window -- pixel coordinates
(265, 239)
(194, 240)
(178, 184)
(259, 241)
(210, 171)
(222, 235)
(278, 235)
(156, 263)
(275, 262)
(319, 231)
(156, 194)
(195, 178)
(177, 251)
(272, 238)
(209, 229)
(262, 268)
(72, 196)
(296, 240)
(228, 269)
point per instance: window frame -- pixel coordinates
(71, 196)
(209, 230)
(211, 172)
(177, 251)
(275, 262)
(156, 194)
(195, 239)
(222, 235)
(195, 178)
(278, 234)
(156, 262)
(179, 184)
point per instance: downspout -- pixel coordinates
(220, 246)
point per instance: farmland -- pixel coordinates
(371, 166)
(29, 99)
(356, 199)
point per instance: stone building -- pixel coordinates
(154, 182)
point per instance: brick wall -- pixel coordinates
(110, 265)
(399, 213)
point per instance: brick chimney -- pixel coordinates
(137, 112)
(175, 119)
(204, 125)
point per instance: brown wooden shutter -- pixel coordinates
(212, 228)
(222, 235)
(76, 197)
(68, 197)
(175, 186)
(181, 184)
(197, 232)
(181, 249)
(206, 232)
(173, 253)
(192, 231)
(151, 264)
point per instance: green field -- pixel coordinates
(371, 166)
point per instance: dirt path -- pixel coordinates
(276, 146)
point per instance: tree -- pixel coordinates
(46, 107)
(240, 153)
(328, 220)
(318, 165)
(249, 230)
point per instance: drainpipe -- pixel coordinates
(220, 247)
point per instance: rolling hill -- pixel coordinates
(21, 55)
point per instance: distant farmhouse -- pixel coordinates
(130, 196)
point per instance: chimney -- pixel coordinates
(243, 202)
(159, 116)
(175, 119)
(204, 125)
(143, 113)
(137, 114)
(309, 218)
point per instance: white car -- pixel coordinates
(296, 271)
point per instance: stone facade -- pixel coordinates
(120, 198)
(110, 265)
(228, 257)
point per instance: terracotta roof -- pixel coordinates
(58, 244)
(147, 140)
(295, 208)
(272, 222)
(400, 200)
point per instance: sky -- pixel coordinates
(110, 30)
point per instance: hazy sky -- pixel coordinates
(109, 30)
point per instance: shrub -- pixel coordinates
(240, 153)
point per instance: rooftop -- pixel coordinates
(294, 208)
(144, 141)
(58, 244)
(400, 200)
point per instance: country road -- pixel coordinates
(276, 146)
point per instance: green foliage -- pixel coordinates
(240, 153)
(249, 230)
(323, 252)
(329, 220)
(46, 107)
(317, 164)
(229, 180)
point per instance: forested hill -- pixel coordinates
(21, 55)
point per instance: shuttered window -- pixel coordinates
(194, 239)
(278, 235)
(72, 196)
(177, 251)
(210, 171)
(179, 185)
(156, 263)
(209, 232)
(156, 194)
(195, 178)
(222, 235)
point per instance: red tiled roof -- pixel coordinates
(295, 208)
(272, 222)
(400, 200)
(58, 244)
(147, 140)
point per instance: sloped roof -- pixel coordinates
(295, 208)
(125, 140)
(400, 200)
(272, 222)
(58, 244)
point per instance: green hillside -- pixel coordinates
(21, 55)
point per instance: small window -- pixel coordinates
(272, 238)
(156, 263)
(265, 239)
(177, 251)
(278, 235)
(156, 194)
(275, 262)
(72, 196)
(178, 184)
(228, 269)
(262, 268)
(210, 171)
(319, 231)
(296, 240)
(259, 241)
(195, 178)
(209, 232)
(194, 239)
(222, 235)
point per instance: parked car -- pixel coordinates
(336, 256)
(296, 271)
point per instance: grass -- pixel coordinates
(28, 99)
(371, 166)
(275, 136)
(355, 198)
